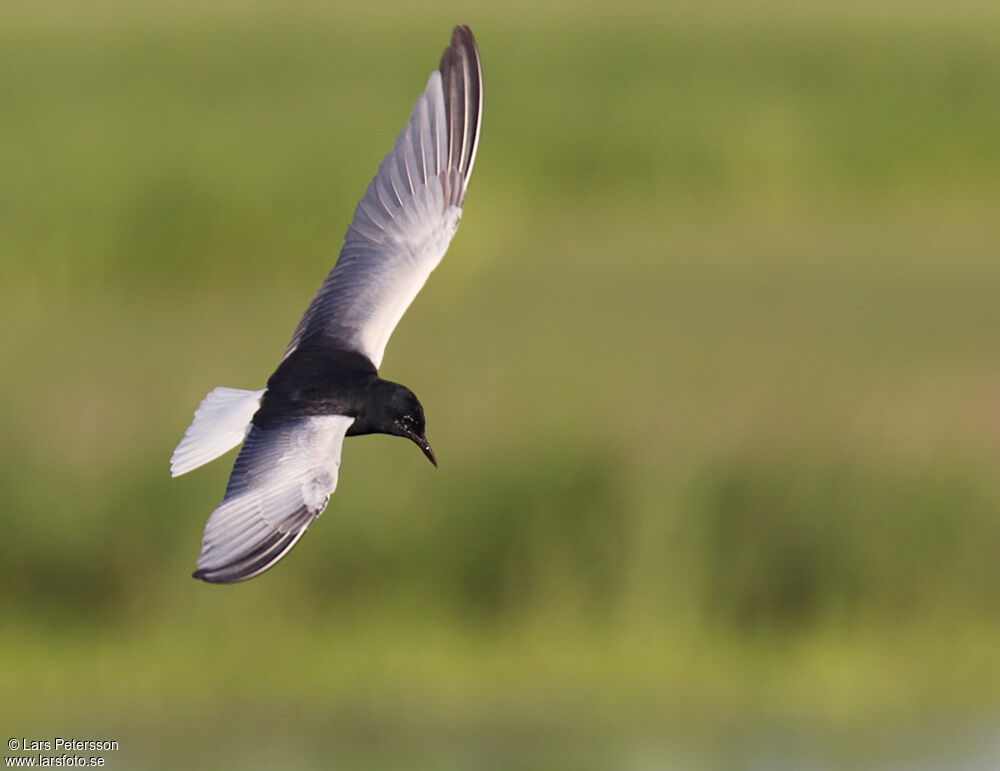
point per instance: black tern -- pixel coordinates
(327, 385)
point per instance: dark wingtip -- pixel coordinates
(221, 576)
(462, 42)
(462, 34)
(205, 575)
(462, 81)
(461, 37)
(201, 575)
(257, 560)
(217, 577)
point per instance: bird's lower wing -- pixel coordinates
(282, 480)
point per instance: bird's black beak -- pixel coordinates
(423, 444)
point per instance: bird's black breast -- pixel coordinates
(317, 379)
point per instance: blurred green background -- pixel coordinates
(711, 369)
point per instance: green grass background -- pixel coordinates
(711, 368)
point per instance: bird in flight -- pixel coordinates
(327, 385)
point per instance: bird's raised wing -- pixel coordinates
(406, 219)
(281, 482)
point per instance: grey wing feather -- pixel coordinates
(281, 482)
(406, 219)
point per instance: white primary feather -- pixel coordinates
(220, 423)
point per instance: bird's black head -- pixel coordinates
(400, 414)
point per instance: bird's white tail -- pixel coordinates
(220, 423)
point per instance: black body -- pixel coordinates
(319, 378)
